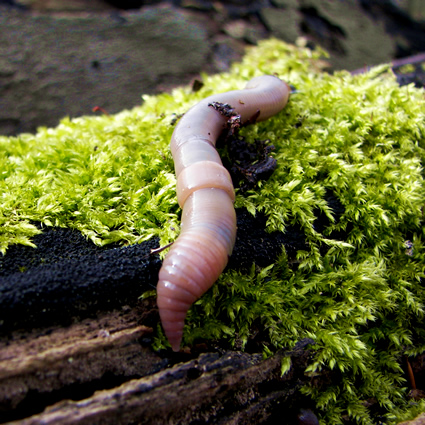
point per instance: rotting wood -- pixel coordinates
(226, 388)
(40, 364)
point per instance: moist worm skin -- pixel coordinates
(206, 195)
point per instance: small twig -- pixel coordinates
(410, 60)
(160, 249)
(157, 250)
(420, 57)
(410, 375)
(100, 109)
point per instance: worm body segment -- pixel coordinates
(206, 195)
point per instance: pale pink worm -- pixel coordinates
(206, 194)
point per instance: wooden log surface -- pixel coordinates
(104, 371)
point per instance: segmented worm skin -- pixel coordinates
(206, 195)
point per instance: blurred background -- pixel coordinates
(64, 57)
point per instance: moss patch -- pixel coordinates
(358, 287)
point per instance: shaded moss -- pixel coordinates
(357, 289)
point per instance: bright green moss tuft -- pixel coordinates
(361, 138)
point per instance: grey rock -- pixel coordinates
(284, 3)
(56, 65)
(352, 37)
(414, 8)
(283, 23)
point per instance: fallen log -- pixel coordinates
(103, 371)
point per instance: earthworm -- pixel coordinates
(205, 193)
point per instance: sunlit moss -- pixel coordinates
(359, 295)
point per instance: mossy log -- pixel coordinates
(345, 202)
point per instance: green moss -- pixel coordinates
(360, 137)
